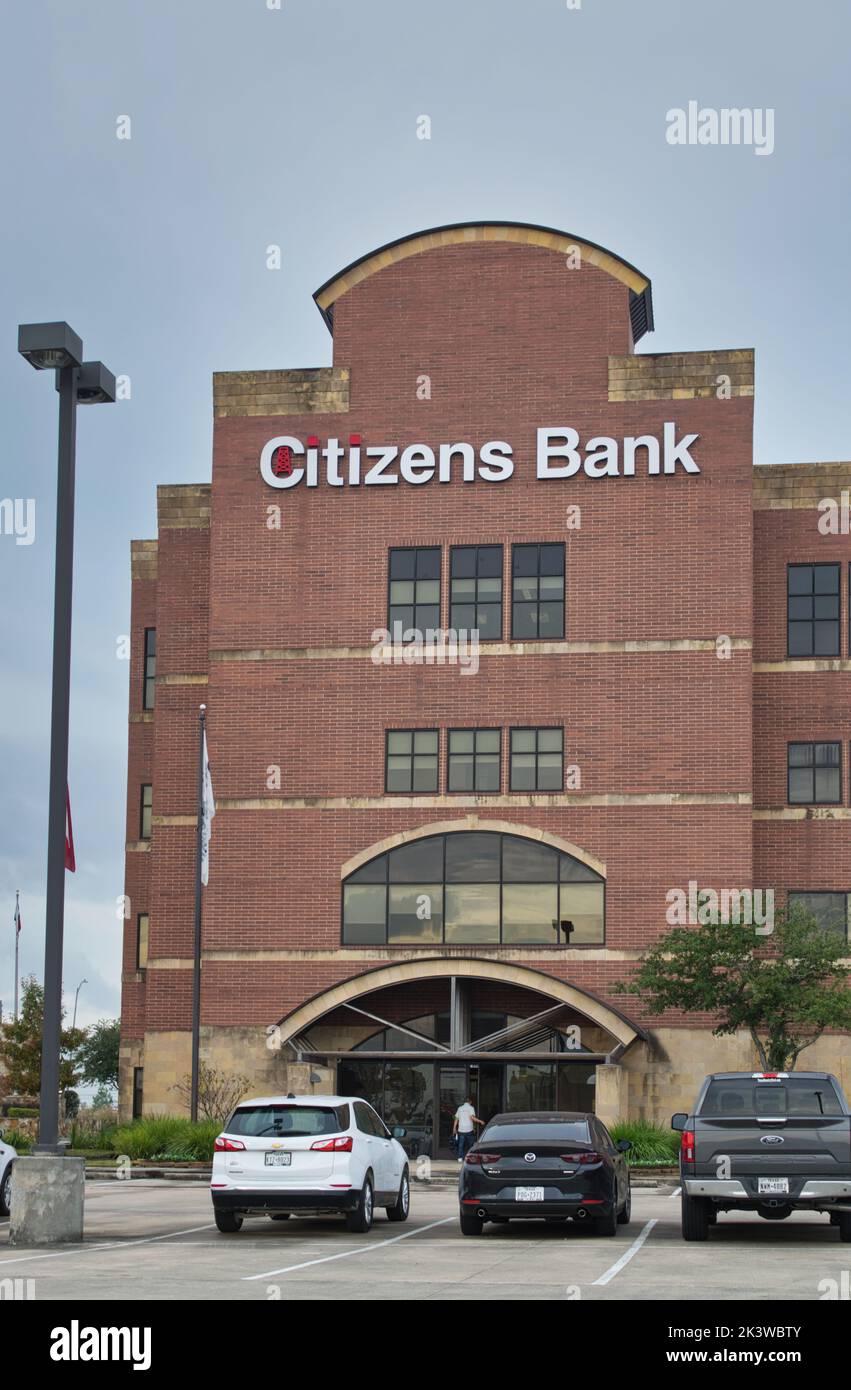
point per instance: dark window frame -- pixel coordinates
(442, 944)
(149, 668)
(814, 656)
(477, 602)
(411, 792)
(138, 1091)
(146, 786)
(139, 963)
(535, 729)
(415, 549)
(474, 790)
(549, 637)
(832, 892)
(812, 744)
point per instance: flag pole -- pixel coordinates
(196, 982)
(17, 934)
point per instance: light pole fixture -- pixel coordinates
(56, 347)
(76, 997)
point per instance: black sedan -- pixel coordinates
(549, 1164)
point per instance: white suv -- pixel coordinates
(286, 1155)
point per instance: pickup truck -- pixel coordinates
(769, 1142)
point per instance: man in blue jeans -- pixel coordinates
(463, 1128)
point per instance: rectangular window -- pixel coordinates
(150, 668)
(814, 774)
(142, 922)
(813, 610)
(475, 590)
(474, 760)
(829, 909)
(414, 596)
(138, 1077)
(537, 592)
(145, 804)
(537, 760)
(411, 760)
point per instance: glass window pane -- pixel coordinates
(800, 754)
(363, 913)
(552, 559)
(827, 784)
(827, 754)
(529, 911)
(571, 870)
(551, 586)
(415, 914)
(402, 564)
(826, 606)
(463, 617)
(800, 579)
(524, 559)
(802, 607)
(530, 1086)
(427, 618)
(524, 621)
(425, 741)
(399, 741)
(487, 741)
(526, 589)
(419, 862)
(522, 740)
(398, 774)
(461, 740)
(428, 564)
(461, 772)
(550, 740)
(490, 589)
(373, 872)
(800, 639)
(425, 773)
(551, 620)
(800, 784)
(487, 772)
(826, 579)
(403, 615)
(829, 909)
(472, 857)
(463, 561)
(522, 772)
(472, 911)
(463, 588)
(825, 639)
(550, 772)
(428, 591)
(525, 861)
(490, 560)
(401, 591)
(582, 904)
(488, 620)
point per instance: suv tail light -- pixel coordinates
(586, 1156)
(223, 1144)
(341, 1143)
(687, 1146)
(477, 1159)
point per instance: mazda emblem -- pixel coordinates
(772, 1139)
(530, 1158)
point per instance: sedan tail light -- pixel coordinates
(586, 1156)
(223, 1144)
(341, 1143)
(477, 1159)
(687, 1146)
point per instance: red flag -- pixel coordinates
(70, 861)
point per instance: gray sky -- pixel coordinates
(298, 126)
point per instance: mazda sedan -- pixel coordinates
(549, 1164)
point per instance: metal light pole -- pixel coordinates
(76, 997)
(56, 346)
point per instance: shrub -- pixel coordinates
(22, 1112)
(651, 1144)
(18, 1140)
(165, 1136)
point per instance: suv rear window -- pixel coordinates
(544, 1133)
(798, 1095)
(296, 1121)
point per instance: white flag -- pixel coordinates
(208, 810)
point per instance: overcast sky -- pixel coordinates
(253, 125)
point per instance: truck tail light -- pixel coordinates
(225, 1145)
(340, 1144)
(687, 1146)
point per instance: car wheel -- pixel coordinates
(279, 1215)
(471, 1225)
(360, 1219)
(6, 1192)
(625, 1212)
(399, 1211)
(606, 1225)
(844, 1224)
(228, 1222)
(695, 1217)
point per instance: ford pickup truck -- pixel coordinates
(768, 1142)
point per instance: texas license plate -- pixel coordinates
(773, 1187)
(278, 1160)
(529, 1194)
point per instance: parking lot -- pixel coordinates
(156, 1240)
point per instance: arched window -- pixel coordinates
(473, 888)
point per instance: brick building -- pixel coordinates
(429, 867)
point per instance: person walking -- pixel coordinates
(464, 1128)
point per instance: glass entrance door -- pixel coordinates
(452, 1090)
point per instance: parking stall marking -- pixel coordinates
(627, 1255)
(344, 1254)
(108, 1245)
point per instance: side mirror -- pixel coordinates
(623, 1145)
(399, 1131)
(679, 1121)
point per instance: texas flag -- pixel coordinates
(208, 810)
(70, 861)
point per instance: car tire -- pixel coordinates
(228, 1222)
(360, 1220)
(279, 1215)
(471, 1225)
(606, 1225)
(6, 1192)
(844, 1224)
(695, 1217)
(625, 1213)
(402, 1205)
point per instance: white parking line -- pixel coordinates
(627, 1255)
(676, 1192)
(344, 1254)
(109, 1245)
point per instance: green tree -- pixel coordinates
(97, 1057)
(20, 1045)
(784, 988)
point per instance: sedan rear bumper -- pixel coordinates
(567, 1205)
(248, 1199)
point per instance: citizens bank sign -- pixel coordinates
(560, 453)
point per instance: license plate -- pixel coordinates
(529, 1194)
(773, 1186)
(278, 1160)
